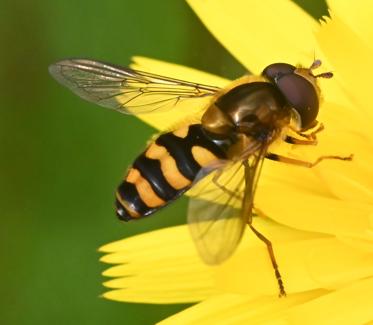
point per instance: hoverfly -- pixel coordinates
(219, 157)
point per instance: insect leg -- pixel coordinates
(292, 140)
(308, 164)
(316, 126)
(308, 138)
(248, 207)
(258, 213)
(312, 135)
(273, 259)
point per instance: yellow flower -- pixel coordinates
(321, 220)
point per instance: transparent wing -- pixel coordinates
(123, 89)
(221, 205)
(214, 212)
(253, 168)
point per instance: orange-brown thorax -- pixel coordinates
(252, 112)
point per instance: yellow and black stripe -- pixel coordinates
(165, 170)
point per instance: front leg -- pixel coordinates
(303, 163)
(308, 138)
(292, 140)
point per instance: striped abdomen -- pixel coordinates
(165, 170)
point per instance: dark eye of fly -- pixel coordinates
(298, 91)
(277, 70)
(302, 96)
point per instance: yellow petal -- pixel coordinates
(350, 305)
(344, 179)
(163, 266)
(362, 244)
(335, 264)
(352, 62)
(354, 186)
(259, 33)
(239, 309)
(253, 275)
(291, 206)
(357, 15)
(303, 180)
(157, 267)
(342, 118)
(186, 111)
(330, 88)
(306, 264)
(350, 180)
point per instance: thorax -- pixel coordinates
(250, 113)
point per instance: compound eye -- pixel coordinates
(302, 96)
(277, 70)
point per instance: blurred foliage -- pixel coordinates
(61, 158)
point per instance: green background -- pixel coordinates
(62, 158)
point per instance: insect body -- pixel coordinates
(220, 157)
(236, 125)
(166, 169)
